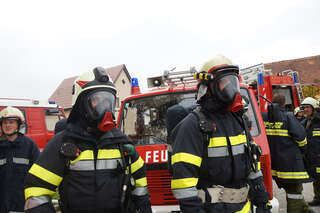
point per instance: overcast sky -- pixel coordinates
(43, 42)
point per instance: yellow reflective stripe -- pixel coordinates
(186, 158)
(317, 169)
(183, 183)
(280, 132)
(45, 175)
(37, 191)
(109, 153)
(246, 208)
(315, 133)
(290, 175)
(142, 182)
(222, 141)
(302, 143)
(259, 166)
(85, 155)
(137, 165)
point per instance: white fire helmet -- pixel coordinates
(12, 113)
(98, 78)
(296, 110)
(311, 101)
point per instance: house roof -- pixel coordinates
(63, 94)
(308, 68)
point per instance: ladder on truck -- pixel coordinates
(173, 78)
(296, 80)
(249, 75)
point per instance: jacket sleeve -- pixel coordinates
(140, 192)
(296, 131)
(34, 152)
(186, 161)
(45, 175)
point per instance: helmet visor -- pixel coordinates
(227, 87)
(100, 102)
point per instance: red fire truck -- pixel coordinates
(142, 116)
(40, 116)
(265, 85)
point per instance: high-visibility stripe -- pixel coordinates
(222, 141)
(317, 169)
(223, 151)
(24, 161)
(183, 183)
(3, 161)
(82, 165)
(258, 165)
(246, 208)
(137, 165)
(37, 191)
(142, 182)
(186, 158)
(140, 191)
(45, 175)
(109, 153)
(302, 143)
(279, 132)
(185, 193)
(254, 175)
(85, 155)
(290, 175)
(315, 133)
(108, 164)
(295, 196)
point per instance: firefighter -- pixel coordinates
(17, 154)
(215, 172)
(298, 113)
(287, 143)
(92, 162)
(312, 126)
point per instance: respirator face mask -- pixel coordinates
(100, 108)
(227, 89)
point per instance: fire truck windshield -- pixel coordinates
(144, 119)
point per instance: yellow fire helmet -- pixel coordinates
(12, 113)
(311, 101)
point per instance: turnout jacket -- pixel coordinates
(313, 148)
(15, 160)
(287, 138)
(93, 181)
(191, 152)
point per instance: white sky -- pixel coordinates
(43, 42)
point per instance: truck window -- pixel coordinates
(144, 119)
(51, 118)
(286, 91)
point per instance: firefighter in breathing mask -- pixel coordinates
(213, 168)
(94, 164)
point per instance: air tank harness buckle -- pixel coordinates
(220, 194)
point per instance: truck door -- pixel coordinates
(36, 127)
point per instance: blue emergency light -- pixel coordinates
(52, 102)
(260, 78)
(295, 80)
(134, 82)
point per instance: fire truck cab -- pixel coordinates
(266, 85)
(40, 117)
(142, 117)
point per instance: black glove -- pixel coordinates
(266, 208)
(45, 208)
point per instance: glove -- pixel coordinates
(129, 149)
(45, 208)
(265, 208)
